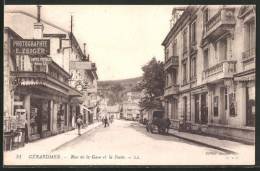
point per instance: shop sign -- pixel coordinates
(41, 61)
(79, 87)
(80, 65)
(30, 47)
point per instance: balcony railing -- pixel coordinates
(172, 61)
(219, 23)
(170, 90)
(248, 55)
(221, 70)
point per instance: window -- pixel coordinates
(232, 104)
(184, 73)
(174, 48)
(250, 35)
(169, 79)
(206, 60)
(185, 109)
(166, 54)
(223, 49)
(185, 41)
(193, 68)
(193, 32)
(205, 16)
(225, 98)
(174, 77)
(215, 101)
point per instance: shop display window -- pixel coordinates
(34, 119)
(45, 115)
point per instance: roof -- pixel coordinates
(51, 24)
(8, 29)
(177, 25)
(113, 109)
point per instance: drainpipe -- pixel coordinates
(190, 62)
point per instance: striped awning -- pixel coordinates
(250, 77)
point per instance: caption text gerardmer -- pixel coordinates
(90, 157)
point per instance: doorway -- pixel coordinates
(204, 108)
(197, 112)
(250, 106)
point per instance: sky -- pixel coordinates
(120, 38)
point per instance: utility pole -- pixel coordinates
(71, 26)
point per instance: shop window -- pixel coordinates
(45, 115)
(34, 117)
(60, 116)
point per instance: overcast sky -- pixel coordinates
(120, 39)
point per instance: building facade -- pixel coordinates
(41, 85)
(210, 70)
(130, 108)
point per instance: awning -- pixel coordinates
(85, 108)
(250, 77)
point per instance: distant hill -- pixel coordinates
(115, 90)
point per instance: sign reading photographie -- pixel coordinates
(80, 65)
(30, 47)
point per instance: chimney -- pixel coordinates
(84, 49)
(38, 26)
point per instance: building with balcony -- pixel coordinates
(212, 82)
(41, 84)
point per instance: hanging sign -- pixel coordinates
(80, 65)
(30, 47)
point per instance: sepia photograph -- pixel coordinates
(129, 85)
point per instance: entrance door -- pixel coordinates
(250, 106)
(197, 118)
(204, 109)
(185, 108)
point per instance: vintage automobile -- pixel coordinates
(156, 123)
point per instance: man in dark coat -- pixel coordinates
(106, 122)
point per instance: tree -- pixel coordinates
(152, 83)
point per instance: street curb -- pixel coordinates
(56, 148)
(204, 144)
(201, 143)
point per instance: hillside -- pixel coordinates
(115, 90)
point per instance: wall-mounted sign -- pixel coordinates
(79, 87)
(30, 47)
(80, 65)
(41, 60)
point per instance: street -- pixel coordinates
(127, 142)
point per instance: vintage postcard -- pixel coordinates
(123, 85)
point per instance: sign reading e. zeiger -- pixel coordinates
(30, 47)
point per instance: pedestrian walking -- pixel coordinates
(79, 123)
(181, 124)
(106, 122)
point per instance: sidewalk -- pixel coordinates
(212, 142)
(46, 145)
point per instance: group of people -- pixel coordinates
(106, 121)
